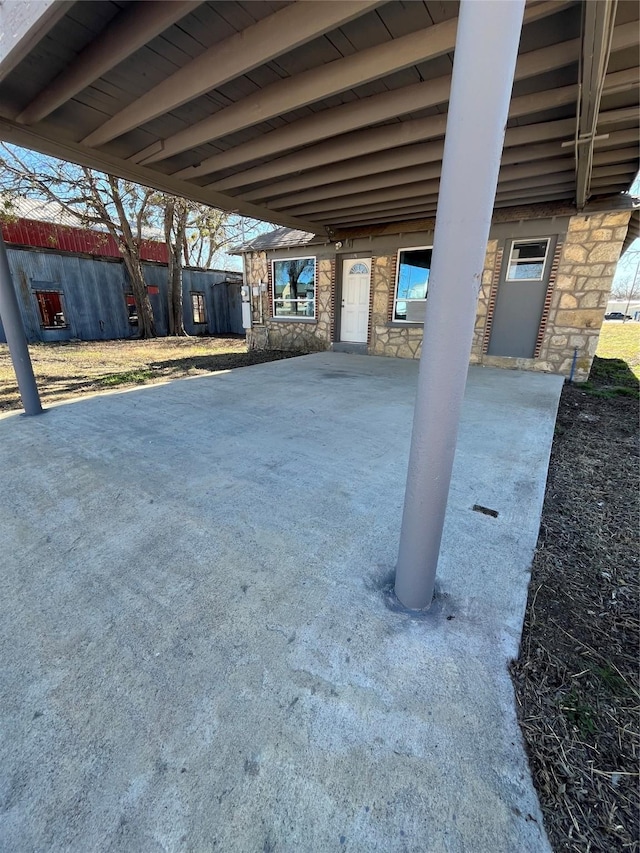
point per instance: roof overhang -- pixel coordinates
(319, 116)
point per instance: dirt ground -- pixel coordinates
(70, 369)
(577, 677)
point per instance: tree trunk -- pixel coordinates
(176, 314)
(146, 323)
(175, 217)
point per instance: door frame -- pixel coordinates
(340, 281)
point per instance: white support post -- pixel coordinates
(483, 71)
(16, 338)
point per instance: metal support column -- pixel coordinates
(483, 69)
(16, 338)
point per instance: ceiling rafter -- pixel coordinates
(322, 82)
(23, 26)
(367, 141)
(75, 153)
(263, 41)
(371, 110)
(512, 178)
(310, 86)
(426, 171)
(130, 30)
(517, 149)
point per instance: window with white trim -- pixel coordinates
(412, 283)
(294, 288)
(527, 260)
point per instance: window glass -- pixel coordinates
(197, 307)
(359, 269)
(294, 288)
(51, 309)
(527, 260)
(414, 266)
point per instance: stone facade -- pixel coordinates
(268, 332)
(580, 280)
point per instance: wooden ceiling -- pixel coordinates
(316, 115)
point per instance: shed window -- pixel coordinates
(414, 266)
(527, 260)
(294, 288)
(51, 306)
(197, 307)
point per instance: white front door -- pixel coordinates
(356, 279)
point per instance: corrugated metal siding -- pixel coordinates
(94, 296)
(84, 241)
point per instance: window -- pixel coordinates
(197, 307)
(359, 269)
(51, 305)
(294, 288)
(410, 301)
(527, 260)
(132, 311)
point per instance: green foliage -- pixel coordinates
(137, 376)
(579, 713)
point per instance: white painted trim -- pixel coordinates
(544, 258)
(294, 319)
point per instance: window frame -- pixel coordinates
(394, 319)
(507, 278)
(63, 308)
(294, 318)
(200, 295)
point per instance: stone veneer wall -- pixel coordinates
(307, 335)
(577, 298)
(387, 338)
(582, 271)
(403, 340)
(587, 266)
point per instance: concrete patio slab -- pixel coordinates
(196, 645)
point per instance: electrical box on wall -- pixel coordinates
(246, 315)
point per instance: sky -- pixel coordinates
(628, 264)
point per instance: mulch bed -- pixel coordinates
(576, 680)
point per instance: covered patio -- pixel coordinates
(199, 646)
(203, 645)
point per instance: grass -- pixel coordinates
(71, 369)
(621, 341)
(576, 679)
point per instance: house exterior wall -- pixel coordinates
(269, 332)
(584, 250)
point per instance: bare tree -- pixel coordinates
(194, 233)
(122, 208)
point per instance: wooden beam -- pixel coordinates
(130, 30)
(597, 35)
(619, 116)
(65, 149)
(428, 152)
(374, 109)
(361, 142)
(412, 175)
(311, 86)
(513, 177)
(263, 41)
(428, 206)
(22, 26)
(507, 191)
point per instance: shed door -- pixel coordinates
(354, 323)
(520, 302)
